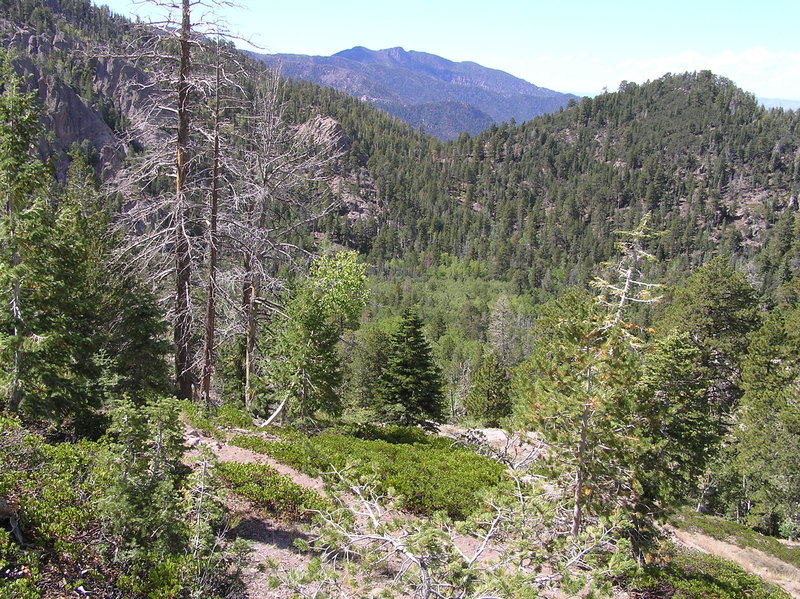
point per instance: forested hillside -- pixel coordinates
(344, 305)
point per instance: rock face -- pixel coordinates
(325, 131)
(69, 117)
(445, 98)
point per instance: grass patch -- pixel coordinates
(212, 421)
(264, 486)
(697, 575)
(738, 534)
(425, 471)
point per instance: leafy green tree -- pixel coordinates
(410, 390)
(303, 367)
(489, 397)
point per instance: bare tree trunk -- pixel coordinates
(250, 294)
(183, 263)
(208, 351)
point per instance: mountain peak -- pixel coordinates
(423, 88)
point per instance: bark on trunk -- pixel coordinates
(577, 510)
(208, 350)
(183, 314)
(250, 294)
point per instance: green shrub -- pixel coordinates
(427, 472)
(90, 517)
(263, 485)
(696, 575)
(234, 416)
(199, 418)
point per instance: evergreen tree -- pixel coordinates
(580, 399)
(768, 430)
(677, 429)
(365, 360)
(717, 307)
(489, 397)
(411, 386)
(22, 176)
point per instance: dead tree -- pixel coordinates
(168, 228)
(282, 172)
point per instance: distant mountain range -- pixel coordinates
(442, 97)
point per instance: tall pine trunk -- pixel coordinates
(183, 265)
(211, 308)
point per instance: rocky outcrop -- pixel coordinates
(69, 117)
(325, 131)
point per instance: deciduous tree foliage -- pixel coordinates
(303, 369)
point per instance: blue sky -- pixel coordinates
(579, 47)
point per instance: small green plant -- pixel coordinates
(736, 533)
(212, 421)
(695, 575)
(263, 485)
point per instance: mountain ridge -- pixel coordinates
(420, 87)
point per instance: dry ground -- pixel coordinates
(272, 540)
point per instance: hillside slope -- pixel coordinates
(536, 204)
(442, 97)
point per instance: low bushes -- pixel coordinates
(696, 575)
(425, 471)
(741, 535)
(263, 485)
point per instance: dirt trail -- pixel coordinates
(768, 567)
(272, 540)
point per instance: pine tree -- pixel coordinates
(768, 431)
(489, 397)
(580, 400)
(717, 307)
(411, 386)
(677, 431)
(22, 176)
